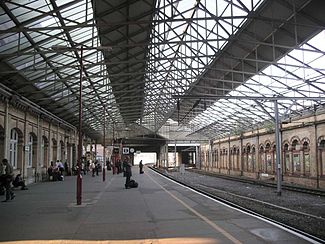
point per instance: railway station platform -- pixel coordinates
(158, 211)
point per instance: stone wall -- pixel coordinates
(252, 154)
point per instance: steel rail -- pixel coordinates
(246, 210)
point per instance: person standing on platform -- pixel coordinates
(92, 168)
(125, 162)
(141, 167)
(97, 167)
(128, 173)
(8, 178)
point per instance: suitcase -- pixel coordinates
(133, 184)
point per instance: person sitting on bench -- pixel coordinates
(18, 181)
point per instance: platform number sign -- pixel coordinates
(126, 150)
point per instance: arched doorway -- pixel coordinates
(269, 154)
(54, 150)
(44, 152)
(32, 151)
(262, 166)
(61, 156)
(2, 142)
(296, 157)
(306, 157)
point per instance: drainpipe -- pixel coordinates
(278, 148)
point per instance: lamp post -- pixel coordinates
(59, 48)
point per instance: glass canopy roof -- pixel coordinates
(299, 74)
(200, 48)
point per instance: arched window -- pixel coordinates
(262, 159)
(30, 151)
(54, 150)
(306, 158)
(222, 158)
(44, 151)
(268, 151)
(213, 158)
(296, 157)
(202, 159)
(237, 159)
(207, 157)
(321, 150)
(61, 152)
(226, 158)
(2, 141)
(249, 159)
(13, 148)
(253, 159)
(286, 153)
(217, 159)
(244, 157)
(271, 168)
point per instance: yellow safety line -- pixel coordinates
(209, 222)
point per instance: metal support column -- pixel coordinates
(104, 151)
(79, 177)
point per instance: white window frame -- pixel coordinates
(42, 151)
(13, 148)
(30, 151)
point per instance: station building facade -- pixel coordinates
(253, 153)
(31, 139)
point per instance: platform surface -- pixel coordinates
(158, 211)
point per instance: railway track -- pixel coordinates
(263, 183)
(304, 223)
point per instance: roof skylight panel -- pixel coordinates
(24, 13)
(9, 42)
(78, 10)
(316, 66)
(317, 41)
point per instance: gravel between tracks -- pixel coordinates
(301, 202)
